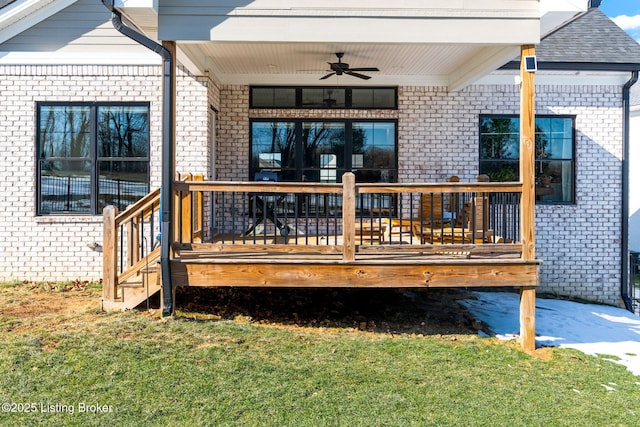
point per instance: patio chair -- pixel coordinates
(469, 224)
(433, 211)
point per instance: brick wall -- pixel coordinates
(56, 247)
(580, 244)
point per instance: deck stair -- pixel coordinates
(131, 274)
(137, 285)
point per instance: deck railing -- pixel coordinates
(269, 214)
(330, 218)
(348, 217)
(130, 243)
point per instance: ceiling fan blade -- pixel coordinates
(327, 76)
(365, 69)
(358, 75)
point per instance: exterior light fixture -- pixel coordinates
(530, 64)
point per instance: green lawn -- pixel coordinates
(59, 354)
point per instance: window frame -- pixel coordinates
(537, 160)
(93, 158)
(298, 103)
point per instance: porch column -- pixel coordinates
(168, 172)
(527, 202)
(349, 216)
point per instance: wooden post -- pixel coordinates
(349, 216)
(528, 318)
(133, 239)
(109, 253)
(185, 206)
(176, 214)
(527, 201)
(198, 213)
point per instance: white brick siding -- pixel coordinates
(437, 138)
(55, 247)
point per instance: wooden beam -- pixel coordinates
(527, 156)
(109, 253)
(359, 275)
(148, 204)
(259, 187)
(527, 201)
(362, 188)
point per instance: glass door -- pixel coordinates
(323, 148)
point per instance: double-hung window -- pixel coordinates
(90, 156)
(554, 154)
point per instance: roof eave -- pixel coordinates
(577, 66)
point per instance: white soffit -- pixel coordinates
(449, 44)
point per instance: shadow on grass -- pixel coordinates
(389, 311)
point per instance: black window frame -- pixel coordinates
(538, 161)
(93, 158)
(298, 123)
(298, 103)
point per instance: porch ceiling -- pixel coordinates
(305, 63)
(420, 57)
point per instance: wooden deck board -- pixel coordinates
(368, 270)
(485, 250)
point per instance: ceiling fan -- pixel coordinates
(339, 68)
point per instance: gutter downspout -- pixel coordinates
(624, 247)
(167, 149)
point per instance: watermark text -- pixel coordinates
(61, 408)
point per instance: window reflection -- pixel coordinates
(321, 151)
(554, 152)
(91, 155)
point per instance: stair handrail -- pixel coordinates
(132, 218)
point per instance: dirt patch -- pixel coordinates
(49, 304)
(43, 304)
(390, 311)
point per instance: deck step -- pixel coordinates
(135, 290)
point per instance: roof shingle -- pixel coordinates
(590, 38)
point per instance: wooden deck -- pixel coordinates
(340, 238)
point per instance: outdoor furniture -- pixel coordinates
(451, 235)
(265, 207)
(431, 213)
(371, 232)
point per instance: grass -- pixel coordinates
(58, 351)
